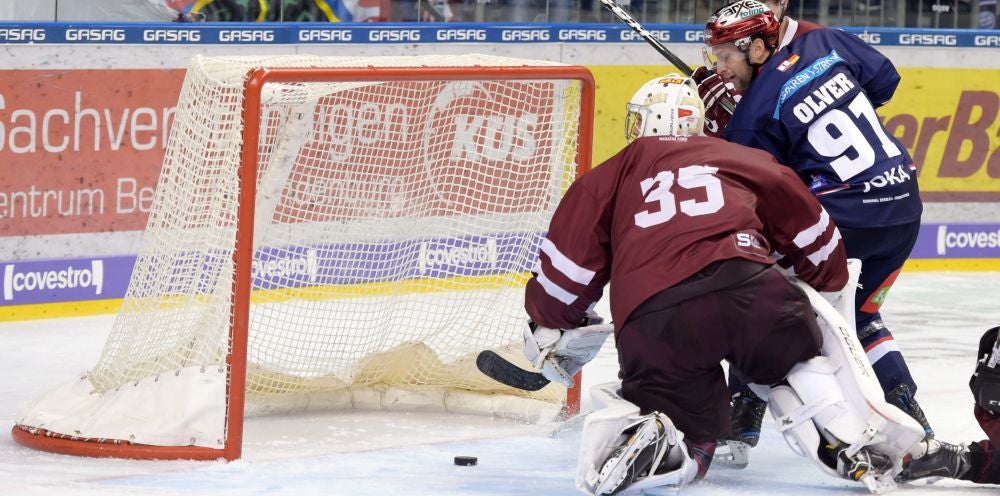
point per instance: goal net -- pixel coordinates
(330, 232)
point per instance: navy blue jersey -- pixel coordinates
(811, 106)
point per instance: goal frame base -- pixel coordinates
(43, 440)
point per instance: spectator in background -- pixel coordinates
(293, 10)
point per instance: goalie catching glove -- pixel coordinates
(560, 353)
(713, 92)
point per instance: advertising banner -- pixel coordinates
(948, 119)
(80, 150)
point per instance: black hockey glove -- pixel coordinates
(713, 91)
(985, 381)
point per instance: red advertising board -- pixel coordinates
(80, 150)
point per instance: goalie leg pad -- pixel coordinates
(895, 432)
(821, 399)
(621, 450)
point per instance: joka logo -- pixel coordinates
(435, 256)
(15, 281)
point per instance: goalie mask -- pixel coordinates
(665, 106)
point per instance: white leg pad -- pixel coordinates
(602, 433)
(895, 433)
(802, 437)
(836, 397)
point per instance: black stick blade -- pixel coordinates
(500, 370)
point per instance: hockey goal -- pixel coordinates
(330, 232)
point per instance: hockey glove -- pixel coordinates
(713, 91)
(560, 353)
(985, 382)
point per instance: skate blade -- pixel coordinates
(732, 454)
(878, 483)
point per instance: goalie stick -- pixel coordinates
(643, 33)
(499, 369)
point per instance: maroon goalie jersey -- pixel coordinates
(664, 208)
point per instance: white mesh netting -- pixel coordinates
(395, 224)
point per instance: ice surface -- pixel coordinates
(937, 319)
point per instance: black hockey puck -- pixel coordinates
(466, 461)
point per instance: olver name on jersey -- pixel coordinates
(821, 98)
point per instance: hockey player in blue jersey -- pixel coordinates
(812, 104)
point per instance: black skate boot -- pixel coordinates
(902, 398)
(940, 460)
(748, 414)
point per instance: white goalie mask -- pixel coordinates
(665, 106)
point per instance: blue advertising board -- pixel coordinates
(382, 33)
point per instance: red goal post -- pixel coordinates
(266, 281)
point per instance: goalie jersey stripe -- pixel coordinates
(563, 264)
(810, 235)
(823, 254)
(553, 289)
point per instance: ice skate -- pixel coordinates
(747, 417)
(940, 460)
(646, 447)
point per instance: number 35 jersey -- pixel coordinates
(664, 208)
(811, 106)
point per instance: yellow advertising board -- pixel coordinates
(949, 120)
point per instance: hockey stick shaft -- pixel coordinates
(643, 33)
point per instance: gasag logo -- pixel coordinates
(246, 35)
(22, 34)
(582, 35)
(928, 39)
(171, 35)
(871, 38)
(394, 35)
(462, 258)
(987, 40)
(28, 280)
(659, 34)
(461, 35)
(307, 35)
(95, 34)
(524, 35)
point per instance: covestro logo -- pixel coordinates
(953, 239)
(20, 281)
(459, 258)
